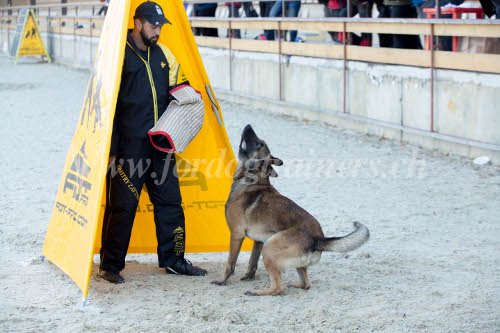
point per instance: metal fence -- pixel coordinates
(84, 22)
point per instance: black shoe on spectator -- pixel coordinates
(185, 267)
(110, 276)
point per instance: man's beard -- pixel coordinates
(149, 41)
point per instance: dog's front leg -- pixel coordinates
(234, 251)
(254, 261)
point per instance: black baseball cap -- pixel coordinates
(152, 12)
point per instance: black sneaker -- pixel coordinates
(185, 267)
(110, 276)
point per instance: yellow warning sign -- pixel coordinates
(205, 168)
(29, 41)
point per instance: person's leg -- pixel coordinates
(274, 12)
(164, 192)
(328, 13)
(342, 13)
(124, 187)
(385, 40)
(334, 13)
(414, 40)
(293, 8)
(165, 195)
(262, 8)
(211, 32)
(353, 38)
(234, 12)
(365, 11)
(208, 12)
(446, 41)
(196, 13)
(405, 41)
(269, 5)
(265, 10)
(249, 10)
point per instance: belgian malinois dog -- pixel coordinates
(285, 233)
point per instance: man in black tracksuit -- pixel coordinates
(149, 72)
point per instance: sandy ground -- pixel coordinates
(431, 265)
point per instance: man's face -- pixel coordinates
(150, 33)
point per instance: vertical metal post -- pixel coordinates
(438, 15)
(1, 26)
(230, 58)
(345, 67)
(280, 73)
(91, 27)
(231, 15)
(60, 37)
(74, 39)
(283, 7)
(49, 34)
(432, 79)
(8, 32)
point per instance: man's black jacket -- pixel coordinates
(147, 78)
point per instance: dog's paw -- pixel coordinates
(219, 282)
(248, 277)
(299, 285)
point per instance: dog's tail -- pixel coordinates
(346, 243)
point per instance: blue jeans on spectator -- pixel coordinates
(291, 9)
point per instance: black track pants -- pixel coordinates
(138, 163)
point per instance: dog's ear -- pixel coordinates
(270, 171)
(276, 161)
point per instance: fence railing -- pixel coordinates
(423, 58)
(481, 62)
(52, 22)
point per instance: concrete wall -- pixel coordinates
(383, 100)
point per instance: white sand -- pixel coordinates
(431, 265)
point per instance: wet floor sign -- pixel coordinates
(27, 40)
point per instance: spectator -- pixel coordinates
(205, 10)
(265, 9)
(234, 8)
(338, 8)
(334, 8)
(401, 9)
(249, 10)
(104, 8)
(497, 9)
(291, 10)
(385, 40)
(491, 7)
(364, 9)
